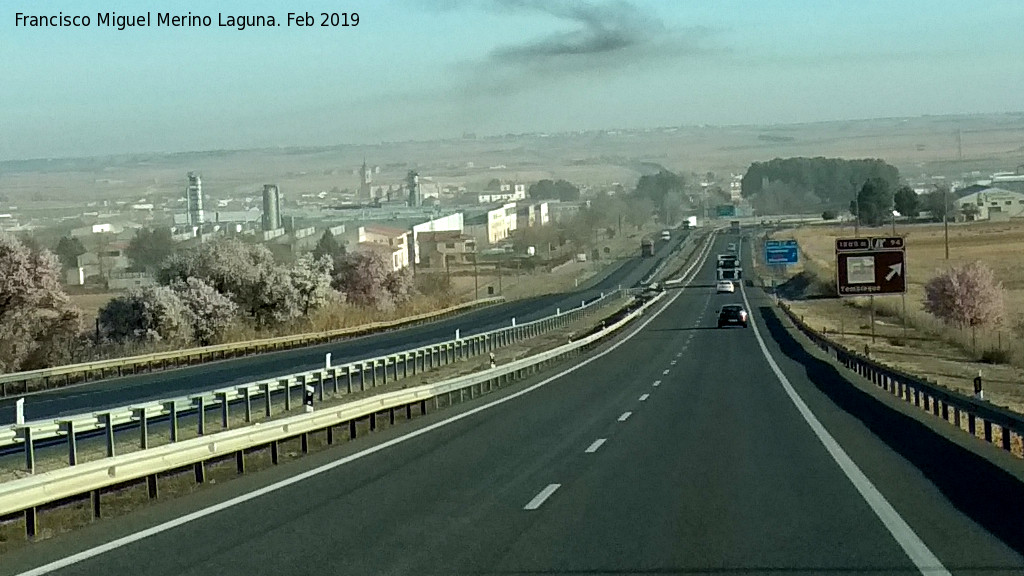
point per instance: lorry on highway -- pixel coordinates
(734, 226)
(646, 248)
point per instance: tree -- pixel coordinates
(208, 312)
(311, 278)
(150, 314)
(328, 246)
(68, 250)
(874, 202)
(554, 190)
(966, 296)
(400, 284)
(363, 277)
(832, 181)
(658, 188)
(37, 320)
(412, 186)
(829, 215)
(907, 202)
(246, 273)
(939, 203)
(494, 184)
(970, 211)
(149, 248)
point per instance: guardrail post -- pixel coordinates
(972, 425)
(240, 462)
(423, 407)
(200, 470)
(94, 500)
(408, 411)
(172, 419)
(31, 523)
(68, 427)
(319, 385)
(348, 379)
(267, 404)
(351, 429)
(287, 383)
(108, 425)
(373, 373)
(247, 400)
(956, 416)
(30, 450)
(330, 435)
(334, 381)
(224, 415)
(988, 431)
(140, 413)
(1006, 436)
(200, 414)
(405, 365)
(151, 485)
(384, 370)
(275, 452)
(373, 421)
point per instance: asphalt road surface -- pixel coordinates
(678, 450)
(115, 392)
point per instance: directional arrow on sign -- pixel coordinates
(894, 270)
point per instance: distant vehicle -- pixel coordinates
(666, 235)
(732, 248)
(735, 226)
(730, 273)
(727, 261)
(646, 248)
(725, 286)
(732, 315)
(692, 221)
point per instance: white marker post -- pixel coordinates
(513, 321)
(327, 361)
(19, 412)
(458, 333)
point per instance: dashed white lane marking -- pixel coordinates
(665, 373)
(672, 363)
(597, 444)
(644, 397)
(657, 383)
(543, 495)
(625, 416)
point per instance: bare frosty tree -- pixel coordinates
(37, 321)
(149, 314)
(209, 313)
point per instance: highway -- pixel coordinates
(114, 392)
(677, 448)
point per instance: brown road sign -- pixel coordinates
(867, 266)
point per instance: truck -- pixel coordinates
(646, 248)
(734, 225)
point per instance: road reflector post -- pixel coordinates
(307, 399)
(19, 411)
(108, 425)
(327, 361)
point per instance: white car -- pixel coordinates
(726, 286)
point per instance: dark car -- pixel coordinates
(732, 315)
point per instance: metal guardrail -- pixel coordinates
(18, 382)
(26, 495)
(357, 375)
(929, 396)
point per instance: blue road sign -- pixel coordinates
(781, 252)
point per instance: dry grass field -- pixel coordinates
(926, 347)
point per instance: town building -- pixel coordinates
(446, 248)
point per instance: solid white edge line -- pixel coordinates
(644, 397)
(597, 444)
(543, 495)
(625, 416)
(170, 524)
(918, 552)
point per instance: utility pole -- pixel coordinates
(476, 280)
(856, 217)
(945, 216)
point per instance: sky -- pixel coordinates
(428, 69)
